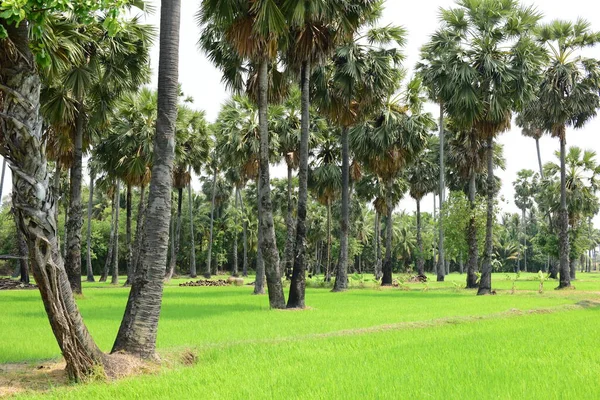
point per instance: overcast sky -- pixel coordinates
(202, 81)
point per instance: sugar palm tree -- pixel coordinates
(494, 64)
(524, 192)
(568, 97)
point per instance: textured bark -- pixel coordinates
(115, 254)
(420, 259)
(234, 269)
(441, 258)
(75, 215)
(485, 282)
(563, 222)
(128, 244)
(139, 229)
(573, 268)
(35, 206)
(193, 272)
(341, 278)
(269, 250)
(290, 228)
(296, 297)
(207, 272)
(89, 268)
(111, 242)
(387, 263)
(473, 258)
(177, 237)
(137, 333)
(23, 250)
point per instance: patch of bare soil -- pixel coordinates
(207, 282)
(12, 284)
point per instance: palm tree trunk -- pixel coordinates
(139, 229)
(23, 145)
(473, 259)
(90, 270)
(234, 270)
(259, 281)
(328, 264)
(341, 278)
(269, 244)
(244, 237)
(442, 259)
(298, 283)
(23, 250)
(177, 237)
(387, 263)
(573, 268)
(485, 282)
(290, 236)
(539, 156)
(128, 245)
(2, 178)
(192, 239)
(115, 259)
(420, 259)
(207, 272)
(435, 261)
(137, 333)
(563, 216)
(111, 242)
(75, 217)
(524, 240)
(378, 263)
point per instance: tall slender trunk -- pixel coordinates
(65, 225)
(244, 237)
(524, 240)
(75, 217)
(177, 238)
(473, 258)
(539, 156)
(111, 242)
(328, 262)
(139, 229)
(23, 145)
(128, 243)
(387, 263)
(2, 178)
(378, 263)
(298, 283)
(563, 221)
(115, 259)
(485, 282)
(207, 272)
(435, 260)
(442, 259)
(192, 239)
(341, 278)
(234, 269)
(23, 250)
(89, 268)
(137, 333)
(56, 193)
(420, 258)
(259, 281)
(290, 228)
(269, 250)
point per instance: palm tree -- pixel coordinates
(494, 63)
(532, 128)
(422, 179)
(568, 97)
(524, 191)
(137, 333)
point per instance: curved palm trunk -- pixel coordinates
(420, 259)
(485, 282)
(442, 259)
(341, 278)
(139, 229)
(193, 272)
(234, 270)
(563, 222)
(298, 283)
(269, 244)
(289, 222)
(207, 272)
(111, 242)
(89, 268)
(115, 255)
(387, 262)
(34, 204)
(137, 333)
(473, 257)
(129, 256)
(177, 237)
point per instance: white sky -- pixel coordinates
(201, 80)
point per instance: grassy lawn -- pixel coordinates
(423, 341)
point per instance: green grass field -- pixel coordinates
(430, 340)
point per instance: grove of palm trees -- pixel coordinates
(298, 198)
